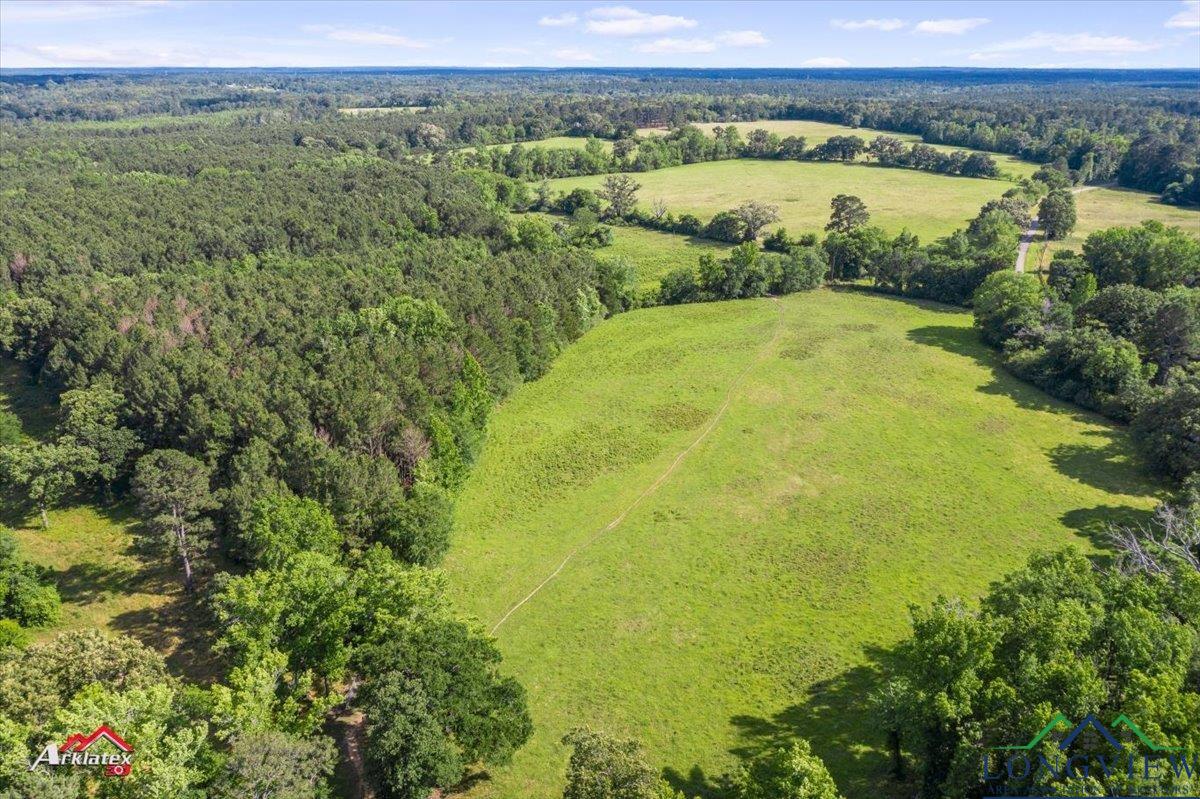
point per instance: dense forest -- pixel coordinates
(277, 331)
(1139, 128)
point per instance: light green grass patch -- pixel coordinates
(552, 143)
(1101, 208)
(654, 254)
(929, 205)
(816, 133)
(875, 455)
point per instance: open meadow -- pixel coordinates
(844, 455)
(653, 254)
(928, 204)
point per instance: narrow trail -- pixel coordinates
(1031, 231)
(662, 478)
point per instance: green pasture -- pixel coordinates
(654, 254)
(928, 204)
(872, 454)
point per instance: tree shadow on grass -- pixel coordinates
(1094, 524)
(178, 630)
(965, 341)
(1106, 464)
(87, 583)
(927, 305)
(836, 719)
(696, 783)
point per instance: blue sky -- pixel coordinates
(195, 33)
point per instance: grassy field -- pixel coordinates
(553, 143)
(872, 454)
(927, 204)
(816, 133)
(89, 549)
(654, 254)
(1099, 208)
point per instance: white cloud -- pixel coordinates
(1064, 43)
(124, 54)
(573, 54)
(508, 50)
(626, 21)
(868, 24)
(953, 27)
(74, 10)
(742, 39)
(561, 21)
(677, 46)
(1188, 18)
(825, 61)
(726, 39)
(382, 37)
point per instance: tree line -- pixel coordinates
(690, 145)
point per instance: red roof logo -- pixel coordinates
(80, 742)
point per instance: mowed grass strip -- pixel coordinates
(877, 456)
(816, 133)
(928, 204)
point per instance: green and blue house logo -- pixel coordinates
(1089, 754)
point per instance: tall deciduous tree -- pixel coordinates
(1056, 213)
(792, 772)
(91, 419)
(755, 216)
(274, 765)
(849, 212)
(603, 767)
(46, 472)
(174, 495)
(621, 193)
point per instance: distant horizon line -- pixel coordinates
(591, 67)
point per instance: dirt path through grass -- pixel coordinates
(708, 428)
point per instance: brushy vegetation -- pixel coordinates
(876, 455)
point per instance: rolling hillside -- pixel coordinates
(870, 454)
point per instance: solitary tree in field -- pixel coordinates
(1057, 213)
(755, 216)
(849, 212)
(621, 193)
(173, 494)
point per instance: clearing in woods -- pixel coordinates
(873, 454)
(90, 552)
(926, 203)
